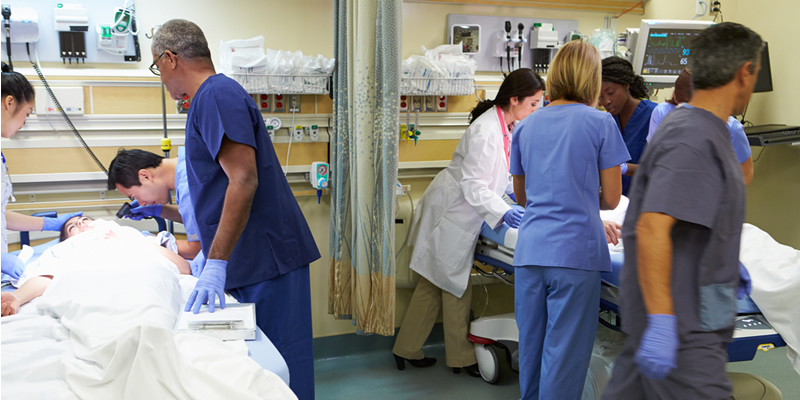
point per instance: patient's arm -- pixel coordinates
(183, 265)
(33, 288)
(188, 249)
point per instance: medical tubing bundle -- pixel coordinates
(61, 110)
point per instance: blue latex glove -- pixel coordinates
(658, 350)
(55, 224)
(512, 197)
(745, 284)
(197, 264)
(513, 217)
(623, 168)
(210, 285)
(12, 265)
(138, 212)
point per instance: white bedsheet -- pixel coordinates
(775, 272)
(103, 330)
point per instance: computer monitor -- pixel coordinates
(764, 82)
(663, 48)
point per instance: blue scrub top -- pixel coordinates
(276, 239)
(635, 135)
(561, 150)
(185, 207)
(735, 128)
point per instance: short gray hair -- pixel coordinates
(719, 51)
(183, 38)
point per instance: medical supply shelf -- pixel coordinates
(284, 84)
(438, 86)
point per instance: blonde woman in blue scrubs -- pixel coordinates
(560, 156)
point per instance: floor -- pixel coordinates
(370, 372)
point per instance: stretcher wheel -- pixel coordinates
(487, 362)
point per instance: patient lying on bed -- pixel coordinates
(80, 235)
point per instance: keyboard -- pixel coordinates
(765, 135)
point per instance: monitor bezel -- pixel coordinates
(641, 44)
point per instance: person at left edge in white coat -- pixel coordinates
(448, 220)
(17, 104)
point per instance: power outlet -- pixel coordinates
(417, 103)
(279, 104)
(430, 103)
(404, 103)
(293, 103)
(700, 7)
(297, 133)
(262, 100)
(441, 103)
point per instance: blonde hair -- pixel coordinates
(575, 74)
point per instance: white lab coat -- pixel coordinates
(461, 197)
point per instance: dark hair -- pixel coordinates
(124, 168)
(619, 70)
(520, 83)
(683, 88)
(719, 51)
(16, 86)
(63, 232)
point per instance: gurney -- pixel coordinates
(494, 255)
(261, 350)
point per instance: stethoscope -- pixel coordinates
(10, 184)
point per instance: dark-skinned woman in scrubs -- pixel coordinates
(624, 95)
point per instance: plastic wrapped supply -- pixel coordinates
(274, 71)
(604, 40)
(443, 69)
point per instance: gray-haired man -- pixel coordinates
(682, 233)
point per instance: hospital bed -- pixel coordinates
(261, 349)
(494, 255)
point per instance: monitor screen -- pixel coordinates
(764, 82)
(667, 51)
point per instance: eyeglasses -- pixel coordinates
(153, 68)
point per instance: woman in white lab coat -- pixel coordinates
(17, 104)
(448, 220)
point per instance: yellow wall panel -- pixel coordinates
(427, 150)
(307, 104)
(463, 103)
(130, 100)
(55, 160)
(303, 153)
(324, 104)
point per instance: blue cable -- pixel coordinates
(704, 11)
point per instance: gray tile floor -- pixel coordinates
(373, 375)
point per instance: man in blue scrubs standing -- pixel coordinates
(682, 232)
(255, 239)
(147, 178)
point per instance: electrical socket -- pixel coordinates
(699, 9)
(279, 104)
(297, 133)
(417, 103)
(430, 103)
(293, 103)
(263, 103)
(441, 103)
(403, 103)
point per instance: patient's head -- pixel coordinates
(74, 226)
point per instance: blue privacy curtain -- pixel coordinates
(364, 163)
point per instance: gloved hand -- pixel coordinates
(138, 212)
(513, 217)
(512, 197)
(658, 349)
(745, 284)
(210, 284)
(12, 265)
(55, 224)
(197, 264)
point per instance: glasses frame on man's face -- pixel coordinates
(153, 68)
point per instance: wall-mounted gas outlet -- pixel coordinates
(297, 133)
(313, 133)
(293, 103)
(279, 103)
(271, 132)
(700, 7)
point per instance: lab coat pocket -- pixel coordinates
(450, 244)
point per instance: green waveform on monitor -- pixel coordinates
(674, 41)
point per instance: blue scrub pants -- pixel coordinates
(557, 311)
(283, 312)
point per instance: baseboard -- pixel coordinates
(353, 344)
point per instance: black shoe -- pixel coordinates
(472, 370)
(425, 362)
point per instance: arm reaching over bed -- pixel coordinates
(33, 288)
